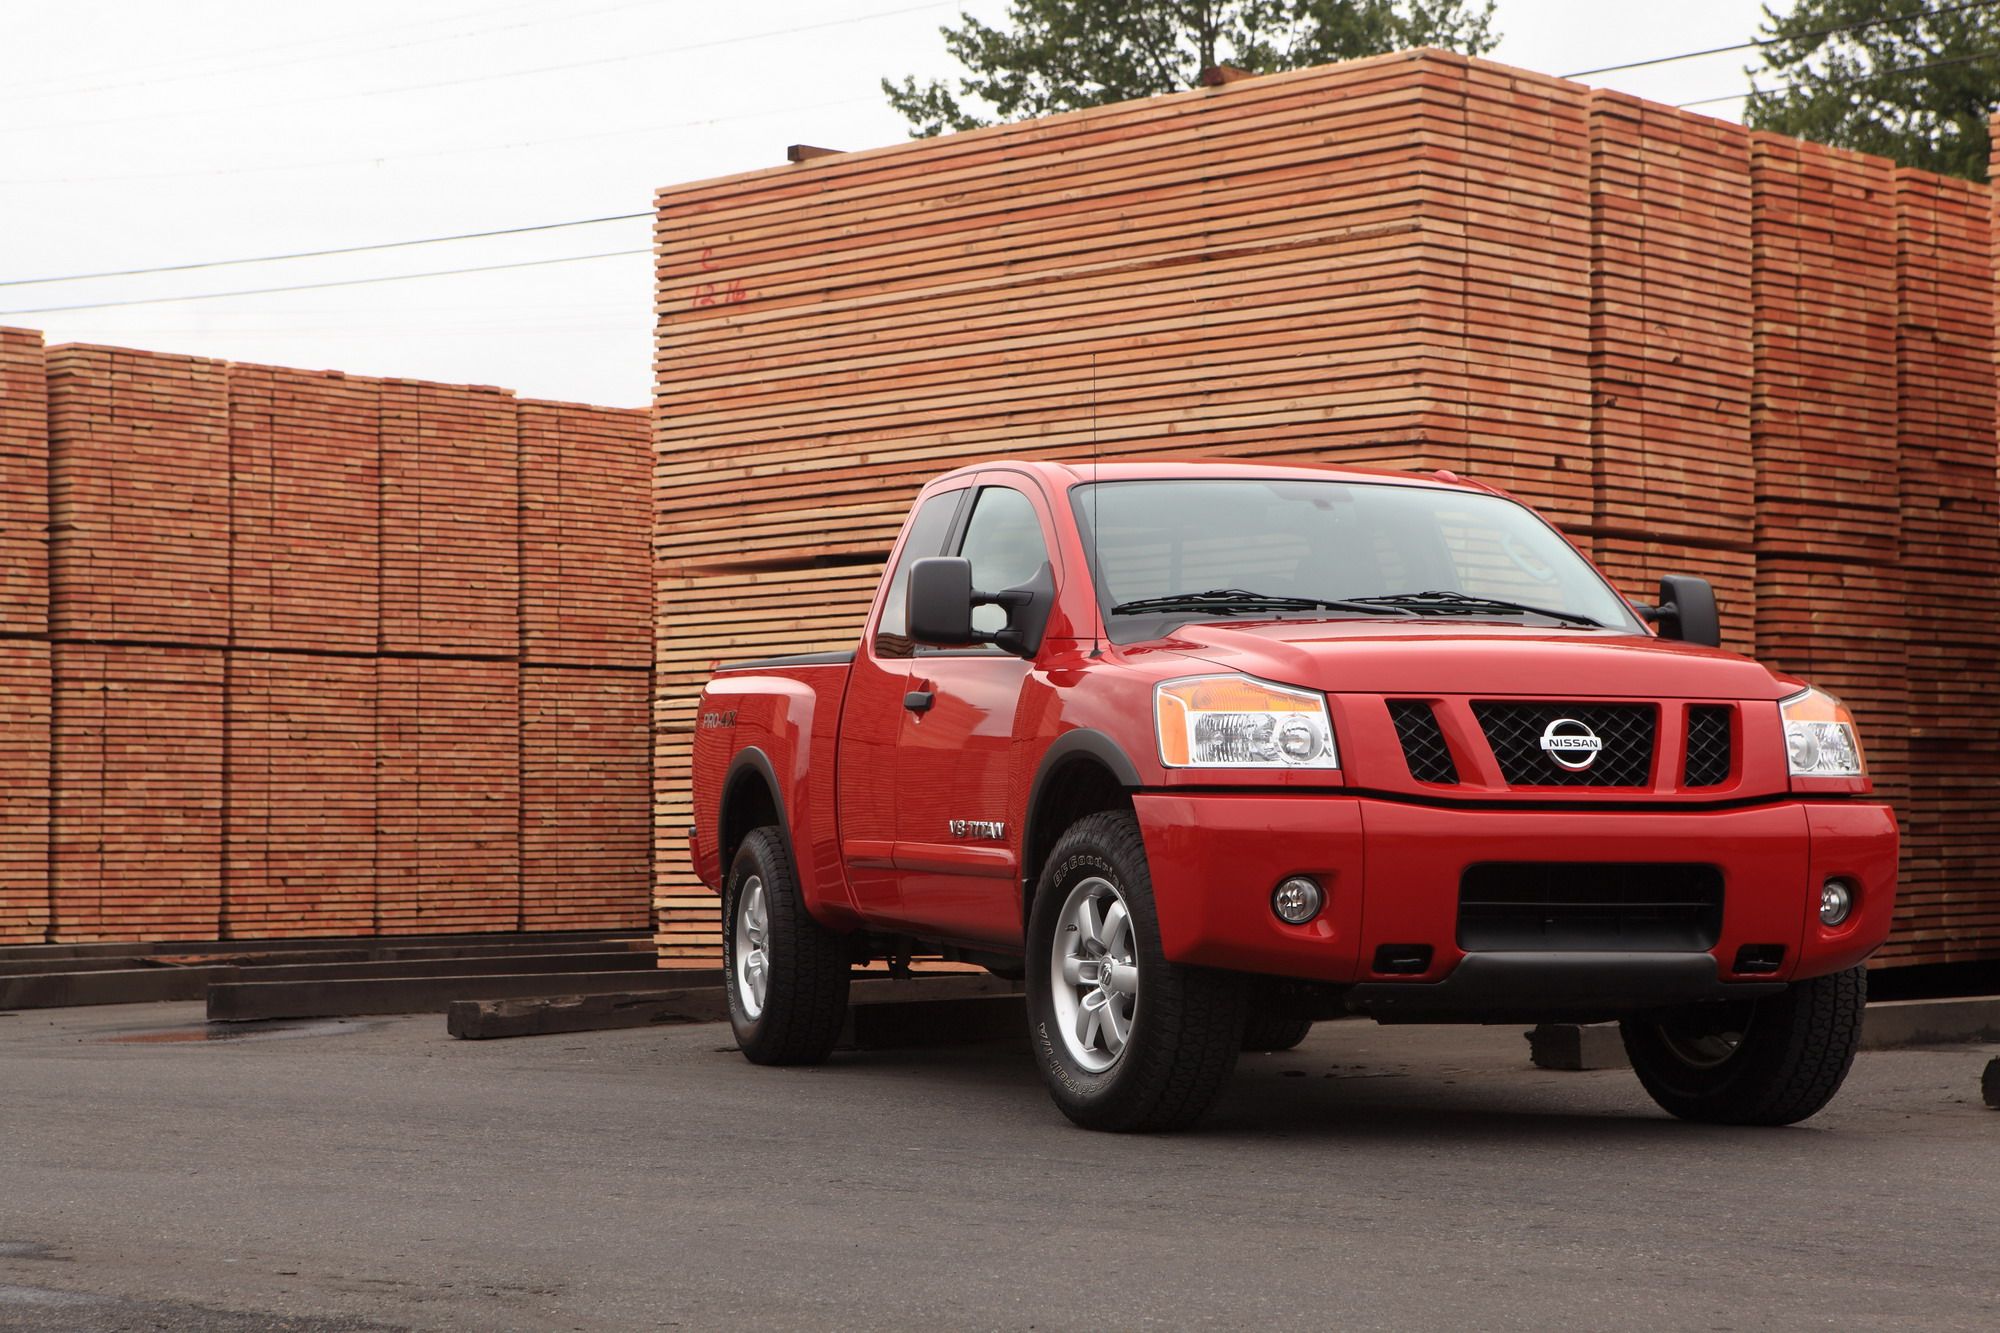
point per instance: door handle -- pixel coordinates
(919, 701)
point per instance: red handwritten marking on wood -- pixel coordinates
(726, 293)
(717, 293)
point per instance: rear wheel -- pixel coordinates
(1770, 1061)
(1125, 1040)
(785, 974)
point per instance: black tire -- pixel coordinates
(1794, 1051)
(1187, 1022)
(805, 994)
(1273, 1030)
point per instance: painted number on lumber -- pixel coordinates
(718, 292)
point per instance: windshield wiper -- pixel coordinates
(1451, 603)
(1238, 599)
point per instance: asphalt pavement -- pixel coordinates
(375, 1173)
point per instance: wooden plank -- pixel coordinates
(149, 985)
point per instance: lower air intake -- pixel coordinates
(1589, 905)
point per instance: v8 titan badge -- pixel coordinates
(1571, 744)
(985, 830)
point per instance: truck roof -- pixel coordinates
(1060, 474)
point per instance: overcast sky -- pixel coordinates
(137, 133)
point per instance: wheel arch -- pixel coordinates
(751, 798)
(1082, 773)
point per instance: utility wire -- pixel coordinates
(379, 158)
(1846, 83)
(321, 286)
(1773, 41)
(629, 217)
(319, 254)
(59, 86)
(497, 75)
(311, 57)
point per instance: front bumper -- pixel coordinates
(1392, 869)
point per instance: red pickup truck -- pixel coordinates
(1206, 751)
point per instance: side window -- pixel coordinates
(927, 533)
(1004, 543)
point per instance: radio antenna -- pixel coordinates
(1096, 504)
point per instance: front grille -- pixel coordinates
(1707, 747)
(1624, 731)
(1589, 905)
(1424, 749)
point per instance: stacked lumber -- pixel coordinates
(448, 796)
(451, 501)
(301, 779)
(1671, 354)
(138, 792)
(305, 494)
(1511, 403)
(585, 793)
(139, 496)
(24, 791)
(1948, 907)
(1823, 428)
(241, 555)
(24, 484)
(586, 565)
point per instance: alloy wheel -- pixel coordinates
(753, 958)
(1094, 974)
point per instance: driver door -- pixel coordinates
(961, 774)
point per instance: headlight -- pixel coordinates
(1241, 722)
(1820, 740)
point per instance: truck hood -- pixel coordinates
(1438, 657)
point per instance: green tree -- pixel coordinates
(1904, 79)
(1059, 55)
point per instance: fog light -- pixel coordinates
(1297, 900)
(1836, 900)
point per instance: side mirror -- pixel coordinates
(1686, 611)
(940, 601)
(1028, 606)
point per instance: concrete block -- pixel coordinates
(1577, 1046)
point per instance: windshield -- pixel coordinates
(1328, 541)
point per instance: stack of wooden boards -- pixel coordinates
(290, 654)
(1698, 348)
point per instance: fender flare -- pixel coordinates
(749, 759)
(1078, 742)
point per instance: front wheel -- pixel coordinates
(1771, 1061)
(1125, 1040)
(784, 973)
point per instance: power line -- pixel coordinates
(319, 254)
(627, 217)
(321, 286)
(1773, 41)
(1845, 83)
(333, 55)
(379, 158)
(57, 86)
(525, 72)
